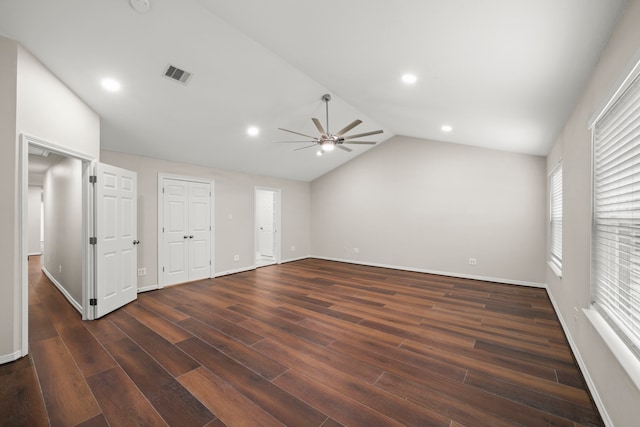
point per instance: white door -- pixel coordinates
(116, 238)
(186, 231)
(266, 223)
(199, 230)
(176, 231)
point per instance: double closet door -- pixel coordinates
(186, 231)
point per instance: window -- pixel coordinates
(616, 213)
(555, 218)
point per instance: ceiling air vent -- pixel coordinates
(175, 73)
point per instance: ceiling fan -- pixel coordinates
(327, 140)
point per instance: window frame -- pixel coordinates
(624, 346)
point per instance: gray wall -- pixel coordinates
(9, 286)
(430, 206)
(63, 248)
(32, 101)
(620, 396)
(234, 197)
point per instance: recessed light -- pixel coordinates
(253, 131)
(111, 85)
(446, 128)
(409, 78)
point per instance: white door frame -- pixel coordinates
(277, 213)
(87, 210)
(161, 178)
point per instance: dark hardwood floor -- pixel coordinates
(309, 343)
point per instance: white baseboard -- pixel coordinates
(148, 288)
(439, 273)
(583, 367)
(237, 270)
(300, 258)
(61, 288)
(6, 358)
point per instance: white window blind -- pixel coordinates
(616, 216)
(555, 216)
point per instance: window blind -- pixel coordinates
(616, 215)
(555, 215)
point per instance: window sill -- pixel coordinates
(625, 357)
(557, 271)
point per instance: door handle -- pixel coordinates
(136, 242)
(186, 237)
(191, 237)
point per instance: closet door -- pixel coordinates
(176, 231)
(199, 230)
(186, 231)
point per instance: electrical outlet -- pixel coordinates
(59, 269)
(236, 257)
(356, 250)
(473, 261)
(293, 248)
(142, 271)
(575, 313)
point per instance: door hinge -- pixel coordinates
(162, 190)
(163, 269)
(93, 179)
(93, 240)
(93, 301)
(163, 229)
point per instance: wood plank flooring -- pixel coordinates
(309, 343)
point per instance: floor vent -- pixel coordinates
(178, 75)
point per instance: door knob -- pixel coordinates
(186, 237)
(191, 237)
(136, 242)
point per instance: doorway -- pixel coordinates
(267, 226)
(91, 289)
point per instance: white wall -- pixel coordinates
(64, 250)
(49, 110)
(620, 396)
(431, 206)
(34, 220)
(234, 198)
(32, 101)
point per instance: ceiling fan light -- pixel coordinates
(328, 146)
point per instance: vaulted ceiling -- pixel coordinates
(504, 74)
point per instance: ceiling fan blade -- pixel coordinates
(287, 142)
(343, 148)
(360, 135)
(298, 133)
(318, 126)
(360, 142)
(302, 148)
(348, 127)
